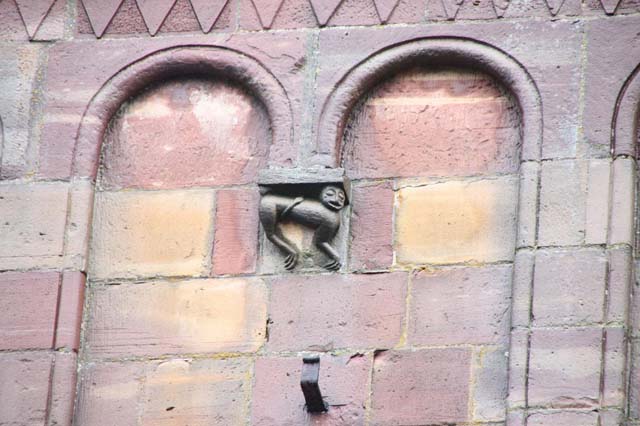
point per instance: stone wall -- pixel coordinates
(488, 248)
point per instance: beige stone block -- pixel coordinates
(171, 392)
(164, 233)
(33, 217)
(457, 221)
(194, 316)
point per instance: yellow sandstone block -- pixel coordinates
(140, 233)
(457, 221)
(192, 316)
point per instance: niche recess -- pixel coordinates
(447, 141)
(186, 132)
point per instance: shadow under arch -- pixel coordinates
(186, 60)
(445, 51)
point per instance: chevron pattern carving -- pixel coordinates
(24, 18)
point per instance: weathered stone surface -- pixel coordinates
(528, 204)
(343, 379)
(489, 388)
(346, 12)
(457, 221)
(98, 62)
(99, 13)
(194, 316)
(402, 380)
(623, 196)
(568, 418)
(597, 216)
(521, 290)
(24, 387)
(18, 89)
(472, 127)
(564, 367)
(634, 381)
(611, 417)
(52, 26)
(63, 389)
(189, 132)
(11, 25)
(615, 359)
(371, 226)
(109, 393)
(612, 53)
(196, 392)
(81, 199)
(151, 233)
(563, 195)
(569, 287)
(69, 317)
(518, 366)
(619, 287)
(408, 11)
(556, 74)
(323, 312)
(28, 304)
(479, 9)
(33, 13)
(208, 12)
(33, 219)
(235, 247)
(460, 306)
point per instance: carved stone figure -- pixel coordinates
(323, 215)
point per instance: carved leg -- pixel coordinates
(334, 264)
(286, 246)
(321, 239)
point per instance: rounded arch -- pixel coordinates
(624, 129)
(198, 60)
(455, 52)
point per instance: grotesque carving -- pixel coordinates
(323, 215)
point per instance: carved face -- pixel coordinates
(333, 197)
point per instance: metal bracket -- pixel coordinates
(309, 384)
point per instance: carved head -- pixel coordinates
(333, 197)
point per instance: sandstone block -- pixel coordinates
(423, 387)
(24, 387)
(323, 312)
(63, 389)
(563, 194)
(460, 306)
(169, 392)
(569, 287)
(457, 221)
(372, 226)
(564, 368)
(235, 248)
(343, 379)
(194, 316)
(151, 233)
(33, 219)
(28, 304)
(489, 388)
(18, 68)
(569, 418)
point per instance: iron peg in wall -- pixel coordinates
(309, 384)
